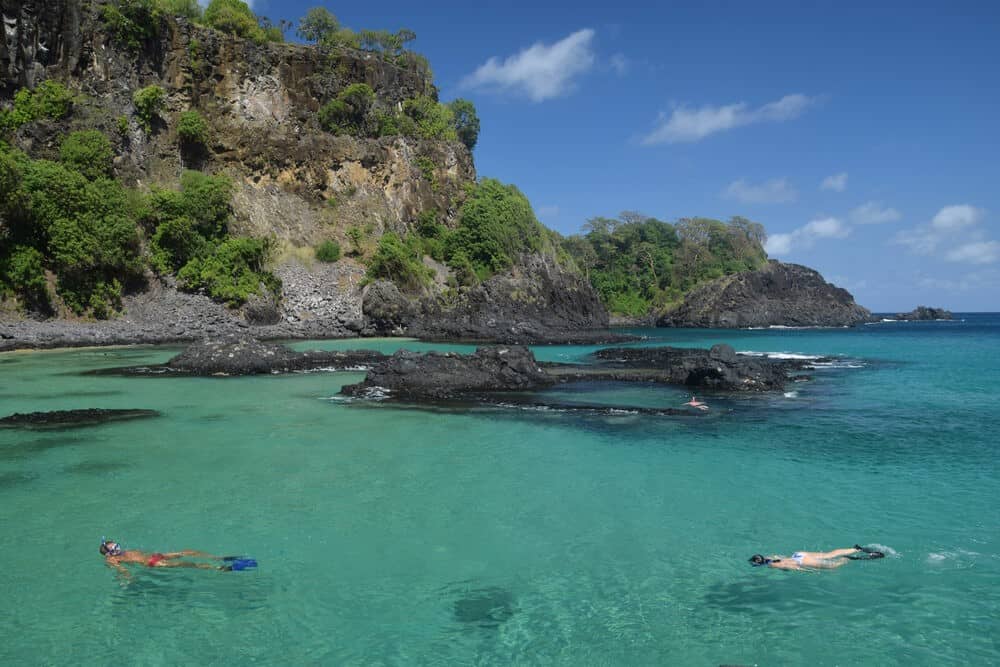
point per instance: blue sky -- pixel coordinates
(864, 139)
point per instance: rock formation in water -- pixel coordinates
(925, 313)
(433, 376)
(243, 355)
(73, 418)
(437, 375)
(777, 295)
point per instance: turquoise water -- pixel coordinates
(389, 535)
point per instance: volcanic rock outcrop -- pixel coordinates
(776, 295)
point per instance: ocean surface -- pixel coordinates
(497, 535)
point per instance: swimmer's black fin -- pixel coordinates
(867, 554)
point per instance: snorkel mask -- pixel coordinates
(110, 547)
(757, 560)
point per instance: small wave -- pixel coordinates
(377, 393)
(791, 394)
(887, 550)
(622, 411)
(837, 364)
(790, 356)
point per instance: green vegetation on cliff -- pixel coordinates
(50, 99)
(639, 264)
(71, 219)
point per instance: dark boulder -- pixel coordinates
(386, 310)
(247, 356)
(447, 375)
(73, 418)
(924, 313)
(718, 369)
(775, 295)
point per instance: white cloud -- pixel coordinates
(778, 244)
(981, 252)
(920, 240)
(952, 228)
(982, 279)
(541, 71)
(806, 236)
(774, 191)
(837, 182)
(620, 64)
(873, 213)
(686, 124)
(956, 217)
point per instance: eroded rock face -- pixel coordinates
(535, 302)
(777, 295)
(435, 375)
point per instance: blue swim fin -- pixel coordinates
(243, 564)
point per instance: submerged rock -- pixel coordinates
(248, 356)
(73, 418)
(485, 607)
(777, 295)
(445, 375)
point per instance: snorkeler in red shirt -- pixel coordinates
(117, 557)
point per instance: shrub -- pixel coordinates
(86, 226)
(50, 99)
(175, 243)
(132, 22)
(122, 125)
(24, 272)
(355, 235)
(202, 198)
(349, 112)
(399, 261)
(232, 272)
(192, 128)
(496, 224)
(148, 103)
(88, 152)
(234, 17)
(318, 25)
(433, 120)
(328, 251)
(189, 9)
(426, 167)
(465, 121)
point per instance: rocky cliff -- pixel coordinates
(537, 301)
(777, 295)
(296, 182)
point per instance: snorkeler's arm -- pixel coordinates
(122, 570)
(785, 564)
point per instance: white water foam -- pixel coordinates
(791, 394)
(781, 355)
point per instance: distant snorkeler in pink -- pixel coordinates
(695, 403)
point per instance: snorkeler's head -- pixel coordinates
(110, 548)
(757, 560)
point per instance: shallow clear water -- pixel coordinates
(498, 535)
